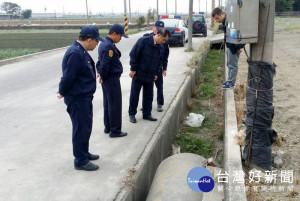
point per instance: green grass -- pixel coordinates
(210, 73)
(103, 32)
(42, 41)
(9, 53)
(21, 42)
(193, 144)
(287, 23)
(204, 101)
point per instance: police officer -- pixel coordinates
(77, 86)
(145, 58)
(110, 69)
(162, 70)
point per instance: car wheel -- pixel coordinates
(182, 41)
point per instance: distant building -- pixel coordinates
(43, 15)
(5, 16)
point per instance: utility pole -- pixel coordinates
(157, 10)
(87, 13)
(206, 8)
(175, 7)
(130, 10)
(260, 89)
(199, 6)
(212, 21)
(257, 48)
(125, 18)
(190, 25)
(166, 7)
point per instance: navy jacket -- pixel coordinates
(78, 74)
(109, 64)
(145, 58)
(232, 47)
(165, 54)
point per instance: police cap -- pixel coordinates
(90, 31)
(119, 30)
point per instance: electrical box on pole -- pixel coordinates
(242, 21)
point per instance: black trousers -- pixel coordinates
(112, 104)
(136, 86)
(159, 87)
(81, 114)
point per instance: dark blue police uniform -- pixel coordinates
(110, 69)
(77, 85)
(145, 58)
(162, 67)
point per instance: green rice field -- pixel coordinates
(21, 42)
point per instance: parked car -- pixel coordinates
(199, 24)
(178, 29)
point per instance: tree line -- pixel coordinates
(15, 10)
(287, 5)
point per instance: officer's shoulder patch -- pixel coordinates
(110, 53)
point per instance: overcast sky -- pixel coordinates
(106, 6)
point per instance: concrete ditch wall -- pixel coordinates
(232, 151)
(158, 148)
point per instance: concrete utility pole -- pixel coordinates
(125, 18)
(190, 47)
(261, 54)
(175, 7)
(157, 10)
(130, 10)
(87, 13)
(264, 35)
(212, 21)
(206, 8)
(199, 6)
(166, 7)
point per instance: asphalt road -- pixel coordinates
(35, 131)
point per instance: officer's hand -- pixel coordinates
(155, 77)
(58, 95)
(132, 74)
(100, 80)
(240, 51)
(164, 73)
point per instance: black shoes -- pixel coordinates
(132, 119)
(106, 130)
(159, 108)
(150, 118)
(88, 167)
(93, 157)
(122, 134)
